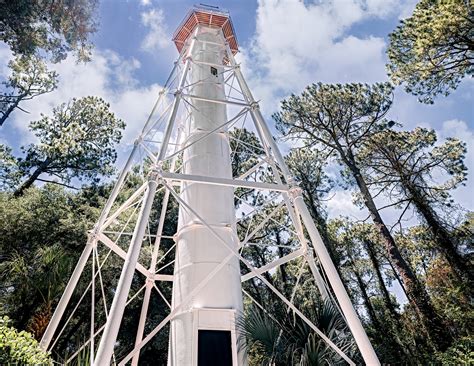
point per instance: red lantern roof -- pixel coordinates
(212, 17)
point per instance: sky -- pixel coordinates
(284, 46)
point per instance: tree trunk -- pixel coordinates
(32, 178)
(392, 329)
(380, 281)
(397, 277)
(365, 297)
(443, 238)
(416, 293)
(256, 294)
(11, 108)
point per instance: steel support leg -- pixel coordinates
(107, 341)
(109, 337)
(149, 281)
(352, 318)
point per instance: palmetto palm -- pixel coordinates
(35, 282)
(291, 341)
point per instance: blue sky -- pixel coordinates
(285, 45)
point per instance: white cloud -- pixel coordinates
(357, 60)
(341, 204)
(145, 2)
(5, 56)
(383, 8)
(296, 44)
(407, 9)
(157, 37)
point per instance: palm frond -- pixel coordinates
(292, 341)
(258, 330)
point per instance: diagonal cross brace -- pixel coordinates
(122, 254)
(276, 263)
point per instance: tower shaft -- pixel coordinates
(198, 251)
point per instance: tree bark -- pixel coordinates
(32, 178)
(365, 297)
(11, 108)
(416, 293)
(380, 281)
(443, 238)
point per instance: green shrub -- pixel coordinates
(19, 348)
(459, 354)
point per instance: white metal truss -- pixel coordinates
(124, 224)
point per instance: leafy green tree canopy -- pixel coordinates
(76, 142)
(10, 174)
(397, 160)
(29, 78)
(460, 354)
(306, 165)
(55, 27)
(246, 150)
(431, 51)
(42, 234)
(336, 116)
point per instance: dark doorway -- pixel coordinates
(214, 348)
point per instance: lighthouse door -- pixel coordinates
(214, 347)
(215, 338)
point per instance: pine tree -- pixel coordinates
(407, 166)
(339, 118)
(29, 79)
(431, 51)
(76, 142)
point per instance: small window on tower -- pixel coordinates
(213, 71)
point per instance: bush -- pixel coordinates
(19, 348)
(461, 353)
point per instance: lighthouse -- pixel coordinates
(184, 152)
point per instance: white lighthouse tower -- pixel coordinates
(203, 331)
(183, 155)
